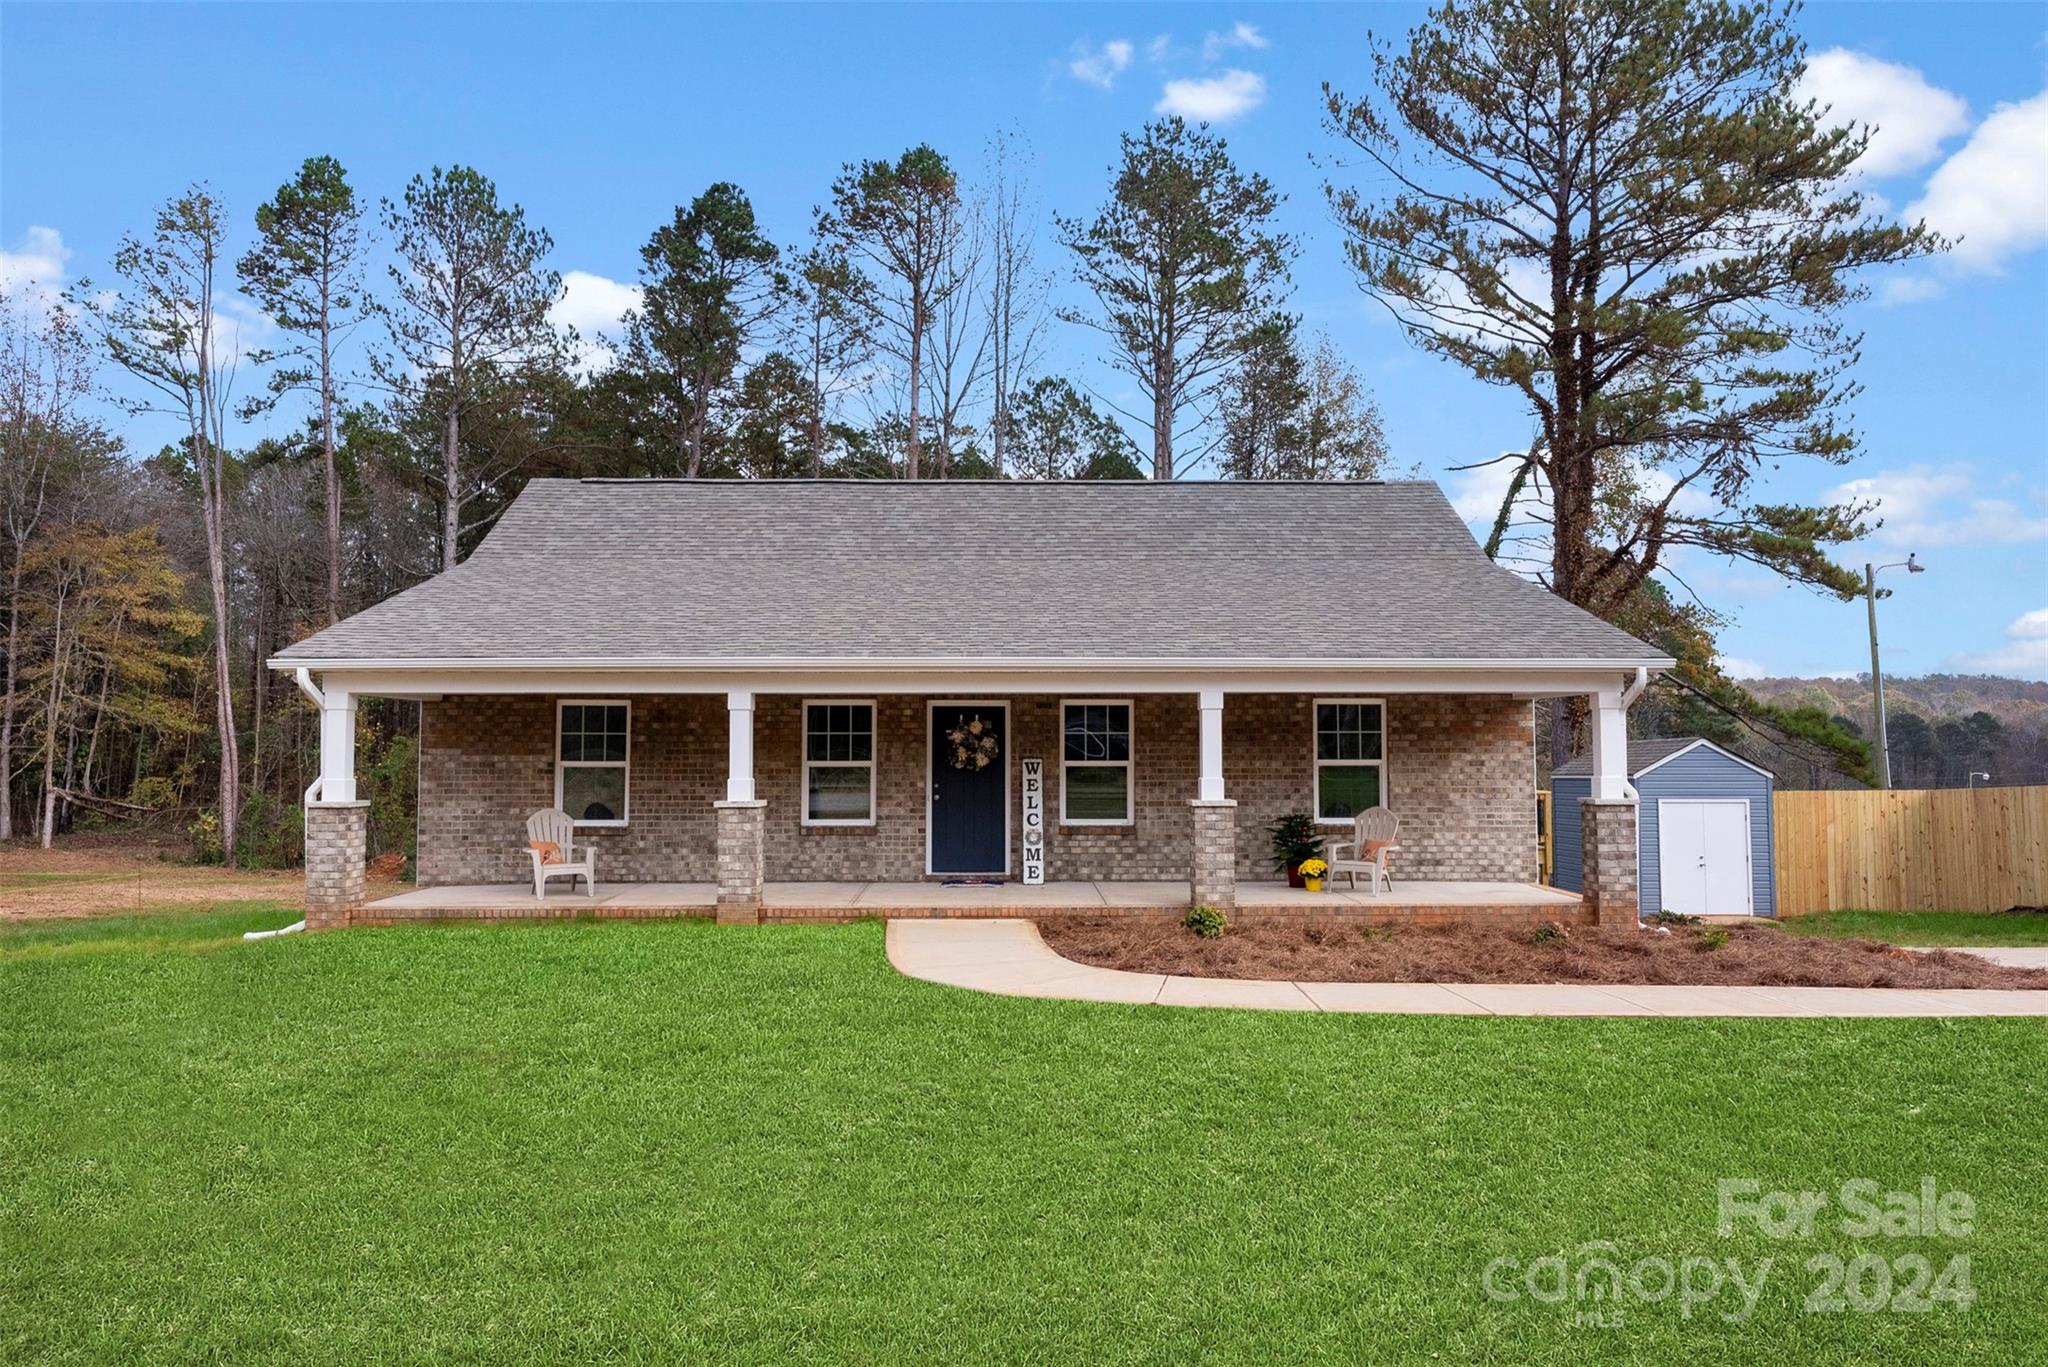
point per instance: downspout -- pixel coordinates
(304, 679)
(1628, 697)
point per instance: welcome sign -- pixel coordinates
(1034, 820)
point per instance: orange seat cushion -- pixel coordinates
(548, 850)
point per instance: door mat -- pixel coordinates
(971, 883)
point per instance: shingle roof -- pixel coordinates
(1641, 755)
(714, 570)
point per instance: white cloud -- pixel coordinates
(1993, 193)
(594, 306)
(1924, 506)
(1213, 99)
(240, 327)
(1100, 66)
(2024, 653)
(1241, 34)
(1736, 667)
(1909, 118)
(1908, 289)
(1159, 49)
(1476, 493)
(32, 275)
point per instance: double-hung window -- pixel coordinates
(1095, 768)
(1351, 759)
(592, 750)
(839, 764)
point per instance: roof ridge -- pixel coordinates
(724, 481)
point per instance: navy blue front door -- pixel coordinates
(970, 788)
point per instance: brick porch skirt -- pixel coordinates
(1393, 913)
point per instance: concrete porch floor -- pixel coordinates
(824, 901)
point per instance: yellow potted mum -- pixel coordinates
(1312, 871)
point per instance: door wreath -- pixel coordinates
(974, 744)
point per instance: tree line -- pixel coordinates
(1616, 211)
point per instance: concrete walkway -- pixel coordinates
(1008, 957)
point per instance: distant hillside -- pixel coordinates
(1943, 726)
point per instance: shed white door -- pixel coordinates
(1703, 856)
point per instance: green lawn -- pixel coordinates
(1926, 927)
(666, 1139)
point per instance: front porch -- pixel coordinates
(838, 804)
(1412, 902)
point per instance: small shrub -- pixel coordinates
(1375, 934)
(271, 834)
(1547, 932)
(1206, 922)
(1713, 937)
(154, 792)
(205, 834)
(1670, 918)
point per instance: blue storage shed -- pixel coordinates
(1704, 844)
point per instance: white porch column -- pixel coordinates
(739, 718)
(1211, 702)
(337, 825)
(1609, 881)
(337, 746)
(1609, 723)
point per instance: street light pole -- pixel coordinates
(1884, 750)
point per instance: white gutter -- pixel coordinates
(304, 679)
(1628, 697)
(1077, 664)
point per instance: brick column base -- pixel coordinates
(337, 843)
(1212, 880)
(742, 827)
(1607, 841)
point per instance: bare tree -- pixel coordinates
(45, 370)
(826, 332)
(958, 356)
(899, 221)
(306, 273)
(162, 330)
(471, 304)
(1017, 288)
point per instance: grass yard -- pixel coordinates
(1926, 927)
(667, 1139)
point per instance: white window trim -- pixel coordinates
(1316, 763)
(625, 764)
(803, 741)
(1129, 766)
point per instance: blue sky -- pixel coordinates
(599, 119)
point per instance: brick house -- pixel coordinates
(734, 686)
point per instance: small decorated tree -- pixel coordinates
(1295, 838)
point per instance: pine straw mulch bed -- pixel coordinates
(1752, 955)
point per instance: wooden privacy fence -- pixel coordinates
(1951, 849)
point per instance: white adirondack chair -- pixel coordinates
(555, 826)
(1348, 856)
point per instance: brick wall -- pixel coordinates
(1607, 858)
(336, 835)
(1460, 771)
